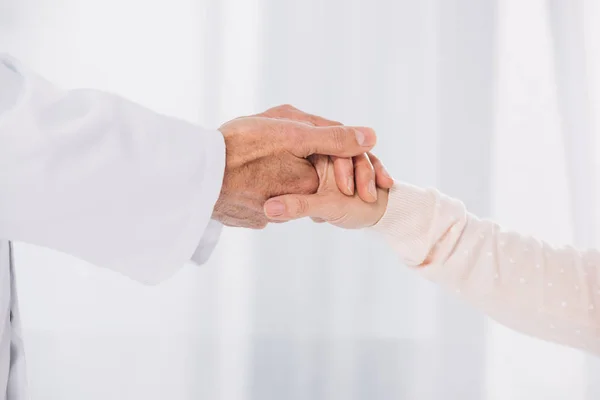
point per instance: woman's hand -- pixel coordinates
(329, 204)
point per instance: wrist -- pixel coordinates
(217, 214)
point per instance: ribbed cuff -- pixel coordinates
(408, 220)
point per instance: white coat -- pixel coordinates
(95, 176)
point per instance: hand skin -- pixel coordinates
(351, 174)
(329, 204)
(267, 157)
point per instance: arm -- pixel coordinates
(551, 293)
(93, 175)
(96, 176)
(544, 291)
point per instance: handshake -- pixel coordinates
(285, 164)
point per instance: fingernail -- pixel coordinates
(274, 209)
(365, 137)
(372, 189)
(351, 185)
(360, 137)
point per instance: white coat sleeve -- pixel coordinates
(93, 175)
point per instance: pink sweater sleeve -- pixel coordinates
(548, 292)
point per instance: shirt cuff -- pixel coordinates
(215, 171)
(208, 243)
(407, 221)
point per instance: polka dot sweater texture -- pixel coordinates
(552, 293)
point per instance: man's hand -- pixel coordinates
(351, 174)
(266, 157)
(329, 204)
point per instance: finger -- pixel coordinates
(315, 120)
(341, 141)
(384, 180)
(291, 206)
(317, 220)
(344, 167)
(321, 164)
(344, 174)
(290, 112)
(290, 120)
(365, 178)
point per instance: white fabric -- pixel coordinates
(103, 179)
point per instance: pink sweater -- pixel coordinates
(548, 292)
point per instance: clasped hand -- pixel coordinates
(285, 164)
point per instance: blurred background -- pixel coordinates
(496, 102)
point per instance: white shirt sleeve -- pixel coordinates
(93, 175)
(209, 242)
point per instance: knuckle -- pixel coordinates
(338, 137)
(282, 109)
(277, 111)
(320, 121)
(300, 205)
(313, 120)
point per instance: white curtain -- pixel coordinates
(494, 102)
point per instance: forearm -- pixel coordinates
(551, 293)
(96, 176)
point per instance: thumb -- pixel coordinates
(343, 141)
(293, 206)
